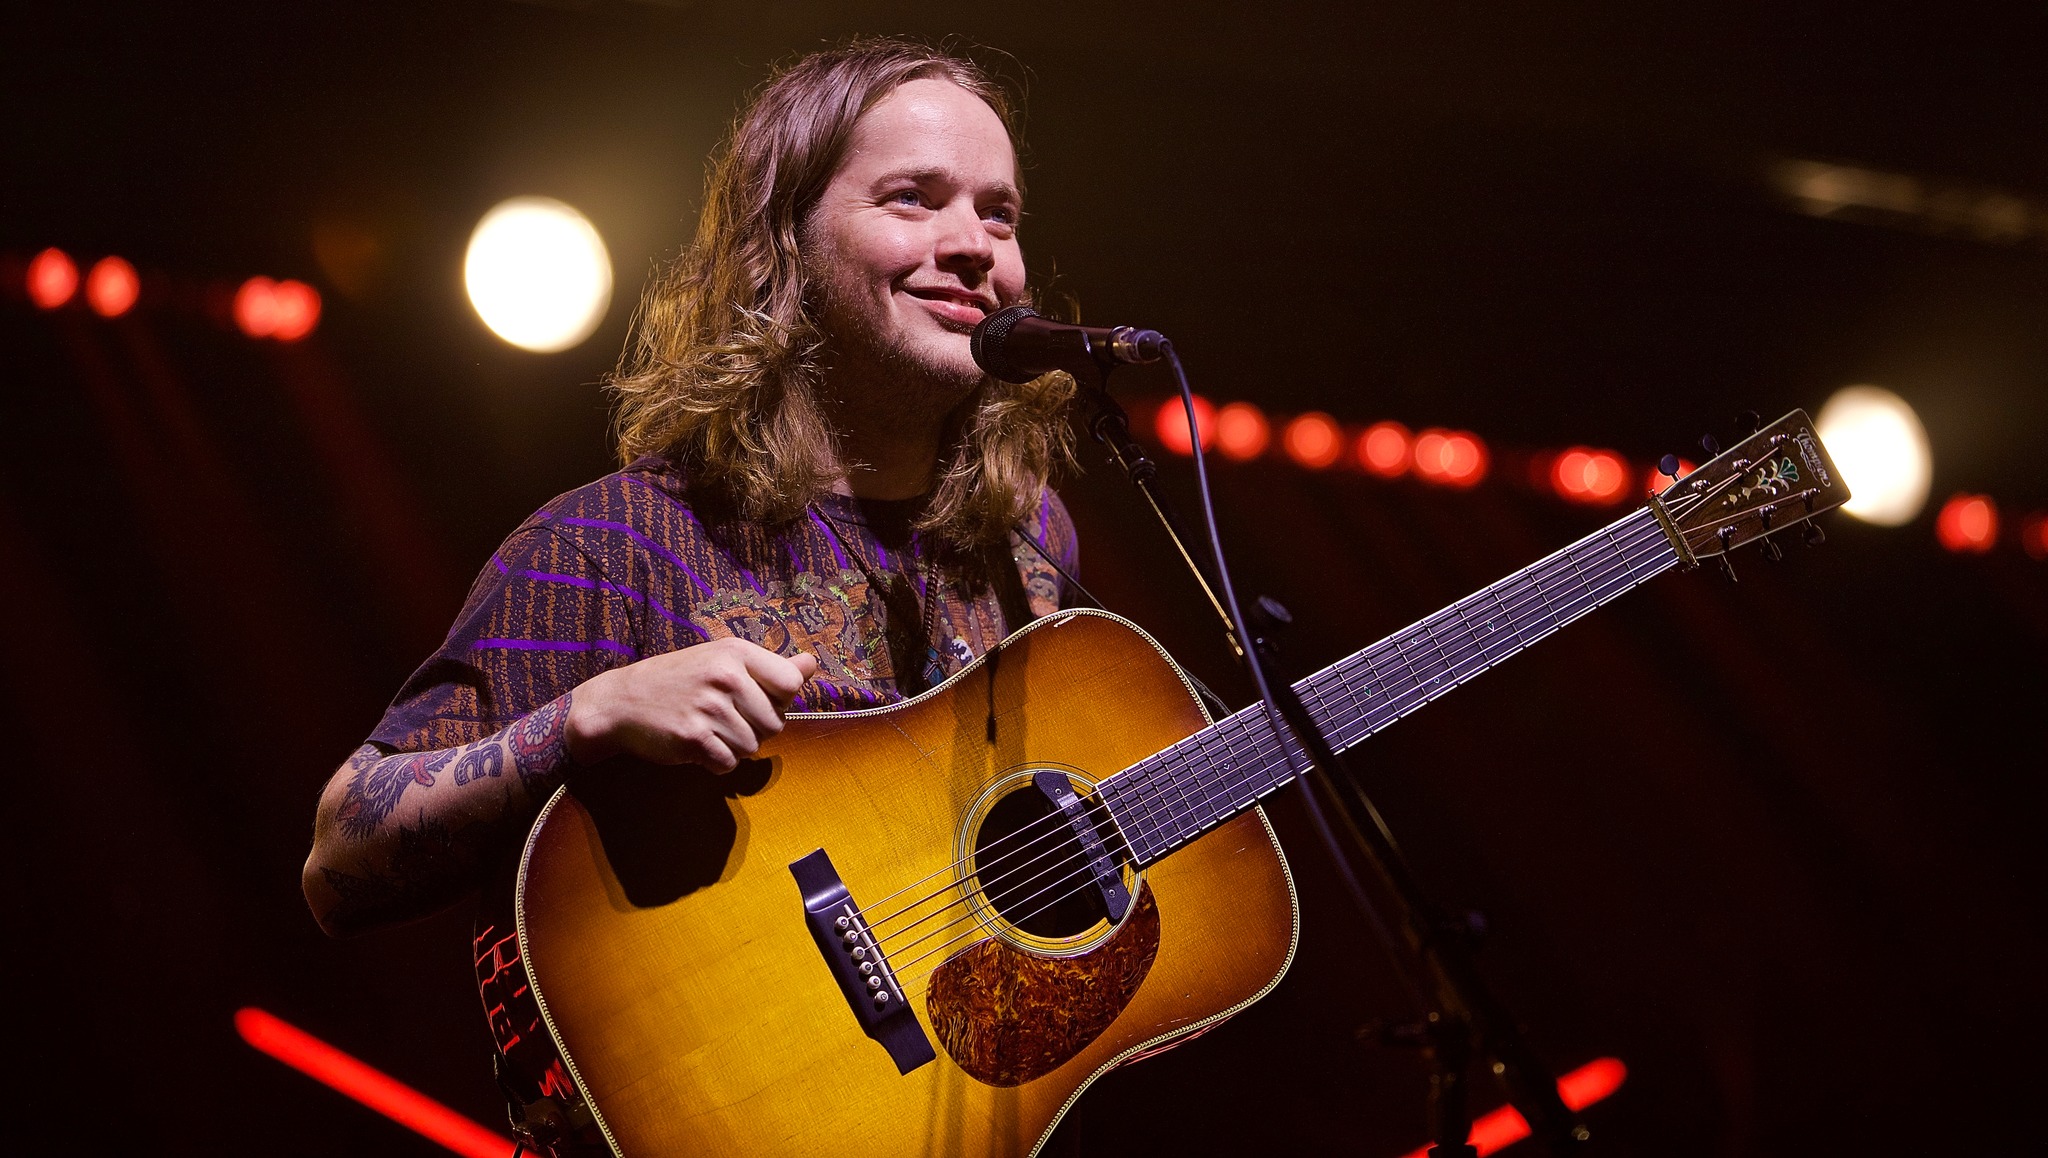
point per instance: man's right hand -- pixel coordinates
(710, 705)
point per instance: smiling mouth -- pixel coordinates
(955, 306)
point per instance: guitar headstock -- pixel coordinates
(1777, 478)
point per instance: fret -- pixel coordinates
(1167, 799)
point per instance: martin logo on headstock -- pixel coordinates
(1778, 477)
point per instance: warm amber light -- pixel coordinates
(1171, 425)
(1242, 432)
(1881, 449)
(1314, 441)
(112, 287)
(1968, 524)
(52, 279)
(1384, 449)
(538, 274)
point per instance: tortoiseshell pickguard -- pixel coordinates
(1007, 1016)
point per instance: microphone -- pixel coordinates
(1017, 345)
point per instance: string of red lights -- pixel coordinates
(1460, 460)
(261, 308)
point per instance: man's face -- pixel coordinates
(914, 242)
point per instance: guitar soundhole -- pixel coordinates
(1032, 871)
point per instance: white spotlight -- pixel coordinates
(538, 274)
(1881, 448)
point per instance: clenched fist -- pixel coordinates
(710, 705)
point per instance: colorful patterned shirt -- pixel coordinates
(626, 568)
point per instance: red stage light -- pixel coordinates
(1968, 523)
(1384, 449)
(1314, 441)
(1589, 476)
(1455, 458)
(1242, 431)
(1657, 480)
(294, 310)
(1171, 425)
(2034, 535)
(52, 279)
(372, 1087)
(1580, 1088)
(112, 287)
(256, 307)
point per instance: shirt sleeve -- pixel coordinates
(541, 618)
(1051, 532)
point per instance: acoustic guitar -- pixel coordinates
(927, 928)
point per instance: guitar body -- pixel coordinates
(667, 943)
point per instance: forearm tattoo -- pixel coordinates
(398, 862)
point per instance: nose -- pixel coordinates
(963, 243)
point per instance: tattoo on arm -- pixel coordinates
(407, 861)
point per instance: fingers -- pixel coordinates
(780, 678)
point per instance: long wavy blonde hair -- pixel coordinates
(722, 373)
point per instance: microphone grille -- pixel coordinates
(986, 344)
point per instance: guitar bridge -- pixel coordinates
(858, 964)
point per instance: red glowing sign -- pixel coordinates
(52, 279)
(372, 1087)
(1580, 1088)
(1314, 441)
(1384, 449)
(1242, 432)
(112, 287)
(1171, 425)
(1584, 475)
(1452, 458)
(286, 310)
(1968, 524)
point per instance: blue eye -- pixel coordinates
(906, 197)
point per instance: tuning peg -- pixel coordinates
(1771, 551)
(1747, 422)
(1814, 535)
(1710, 444)
(1668, 465)
(1727, 568)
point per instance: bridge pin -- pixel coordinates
(874, 983)
(881, 999)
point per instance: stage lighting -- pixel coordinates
(52, 279)
(538, 274)
(1314, 441)
(1585, 475)
(1880, 447)
(1452, 458)
(2034, 536)
(1242, 432)
(1171, 424)
(294, 310)
(112, 287)
(1384, 449)
(1967, 523)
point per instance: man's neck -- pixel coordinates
(887, 462)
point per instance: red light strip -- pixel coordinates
(1580, 1088)
(372, 1087)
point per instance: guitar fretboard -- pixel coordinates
(1172, 797)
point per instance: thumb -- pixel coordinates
(806, 664)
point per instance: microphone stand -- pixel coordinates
(1463, 1017)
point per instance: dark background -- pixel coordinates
(1772, 844)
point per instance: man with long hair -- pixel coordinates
(824, 505)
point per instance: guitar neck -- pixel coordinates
(1172, 797)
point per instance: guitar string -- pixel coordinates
(1678, 505)
(1597, 586)
(1055, 821)
(1475, 648)
(1608, 589)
